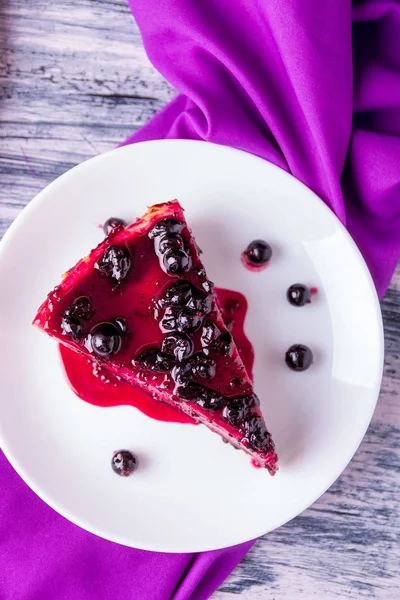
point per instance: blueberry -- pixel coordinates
(72, 326)
(115, 263)
(299, 357)
(112, 224)
(257, 434)
(166, 226)
(211, 400)
(178, 294)
(261, 440)
(206, 304)
(206, 284)
(154, 360)
(168, 321)
(176, 262)
(184, 294)
(188, 321)
(258, 252)
(203, 367)
(182, 373)
(200, 303)
(239, 408)
(204, 397)
(189, 391)
(184, 306)
(80, 309)
(234, 415)
(178, 345)
(182, 320)
(298, 294)
(210, 333)
(124, 463)
(223, 345)
(105, 339)
(168, 242)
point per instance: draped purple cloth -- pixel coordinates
(312, 86)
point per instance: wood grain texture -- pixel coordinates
(75, 81)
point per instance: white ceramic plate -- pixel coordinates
(191, 492)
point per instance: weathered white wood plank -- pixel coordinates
(75, 81)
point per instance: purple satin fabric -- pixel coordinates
(312, 86)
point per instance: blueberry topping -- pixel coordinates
(112, 224)
(206, 284)
(71, 322)
(182, 320)
(258, 252)
(72, 326)
(188, 321)
(223, 345)
(208, 399)
(115, 263)
(168, 242)
(257, 434)
(210, 333)
(206, 305)
(298, 294)
(166, 226)
(184, 294)
(168, 322)
(124, 463)
(176, 262)
(154, 360)
(213, 341)
(105, 339)
(203, 367)
(211, 400)
(182, 373)
(239, 408)
(80, 309)
(184, 308)
(177, 294)
(178, 345)
(189, 391)
(299, 357)
(121, 324)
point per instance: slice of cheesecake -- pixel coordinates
(140, 305)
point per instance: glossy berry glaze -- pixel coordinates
(98, 386)
(142, 284)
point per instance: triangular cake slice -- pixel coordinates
(140, 305)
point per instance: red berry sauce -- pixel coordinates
(101, 388)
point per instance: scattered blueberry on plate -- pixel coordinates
(257, 254)
(299, 357)
(298, 294)
(124, 463)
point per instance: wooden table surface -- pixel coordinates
(75, 81)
